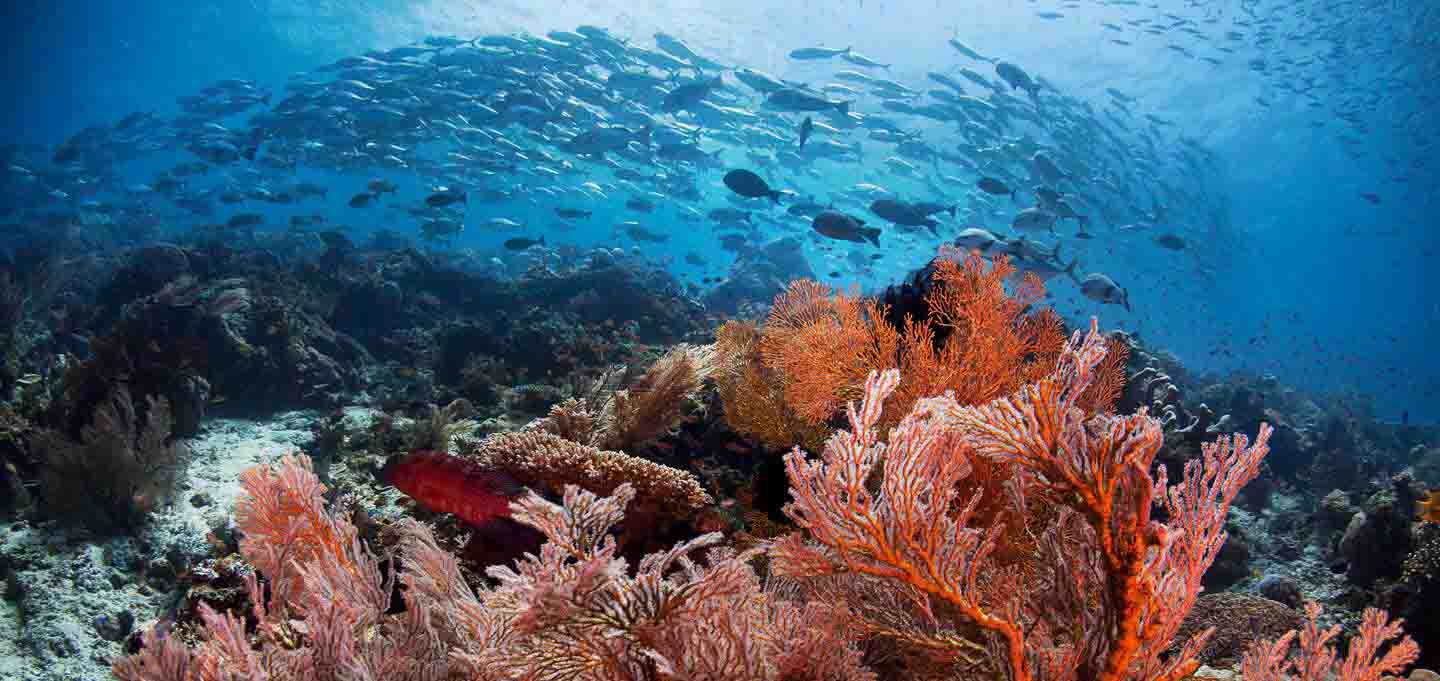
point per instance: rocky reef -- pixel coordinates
(447, 388)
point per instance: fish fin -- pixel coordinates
(872, 235)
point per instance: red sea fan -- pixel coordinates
(447, 484)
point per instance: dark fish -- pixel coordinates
(640, 205)
(572, 213)
(361, 200)
(1372, 198)
(1171, 241)
(749, 185)
(807, 126)
(930, 208)
(245, 220)
(837, 225)
(990, 185)
(901, 213)
(689, 95)
(446, 197)
(521, 243)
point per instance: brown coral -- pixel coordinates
(546, 461)
(621, 419)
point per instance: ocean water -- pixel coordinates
(1269, 124)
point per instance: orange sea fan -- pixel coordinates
(980, 341)
(824, 342)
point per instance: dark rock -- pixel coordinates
(1281, 588)
(1377, 541)
(115, 628)
(1231, 565)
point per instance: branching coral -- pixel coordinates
(1315, 658)
(753, 394)
(1111, 587)
(621, 419)
(545, 461)
(574, 611)
(123, 465)
(978, 341)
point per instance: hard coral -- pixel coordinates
(1237, 620)
(545, 461)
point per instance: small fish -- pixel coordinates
(807, 126)
(378, 187)
(990, 185)
(638, 232)
(640, 205)
(1171, 241)
(750, 185)
(1374, 199)
(837, 225)
(728, 215)
(572, 213)
(863, 61)
(446, 197)
(813, 53)
(245, 220)
(1034, 219)
(1103, 289)
(503, 224)
(361, 200)
(521, 243)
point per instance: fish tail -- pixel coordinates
(871, 235)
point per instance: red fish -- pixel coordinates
(448, 484)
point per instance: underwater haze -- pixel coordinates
(1257, 179)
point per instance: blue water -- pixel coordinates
(1318, 103)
